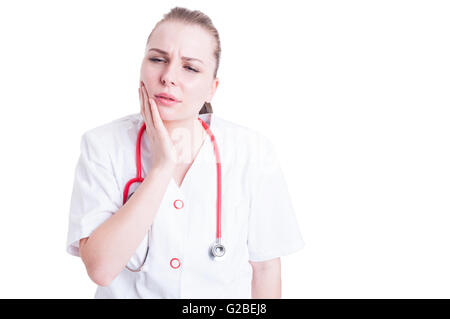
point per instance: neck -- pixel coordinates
(187, 136)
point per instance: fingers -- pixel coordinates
(157, 122)
(143, 107)
(141, 102)
(153, 109)
(147, 113)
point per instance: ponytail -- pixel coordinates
(207, 108)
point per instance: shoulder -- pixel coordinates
(113, 132)
(243, 139)
(240, 132)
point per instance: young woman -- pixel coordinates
(176, 202)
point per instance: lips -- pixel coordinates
(168, 97)
(166, 100)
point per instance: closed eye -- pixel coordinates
(155, 60)
(159, 60)
(189, 68)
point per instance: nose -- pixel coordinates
(168, 77)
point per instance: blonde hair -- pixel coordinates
(194, 17)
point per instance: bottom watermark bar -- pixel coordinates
(227, 308)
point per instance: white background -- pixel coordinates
(354, 95)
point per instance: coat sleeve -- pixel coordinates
(95, 195)
(273, 228)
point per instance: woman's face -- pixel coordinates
(179, 61)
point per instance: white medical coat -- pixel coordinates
(258, 220)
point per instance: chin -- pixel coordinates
(169, 114)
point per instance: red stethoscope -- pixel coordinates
(217, 249)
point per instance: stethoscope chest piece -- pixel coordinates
(217, 251)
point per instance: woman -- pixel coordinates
(157, 242)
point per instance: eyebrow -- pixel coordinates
(183, 57)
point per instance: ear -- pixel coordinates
(214, 85)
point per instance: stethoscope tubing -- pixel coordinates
(138, 179)
(219, 180)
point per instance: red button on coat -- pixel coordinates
(175, 263)
(178, 204)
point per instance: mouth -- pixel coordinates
(165, 97)
(166, 100)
